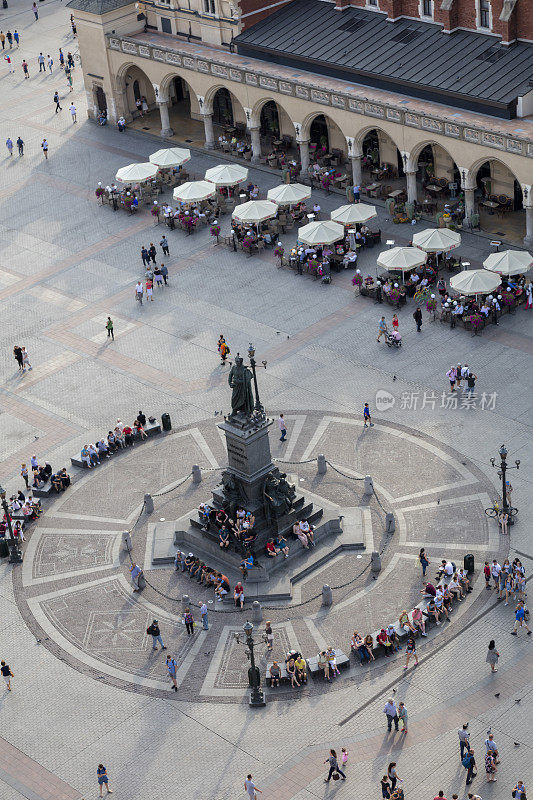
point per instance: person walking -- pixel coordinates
(72, 109)
(145, 256)
(164, 273)
(410, 650)
(3, 39)
(164, 244)
(392, 776)
(490, 767)
(492, 656)
(251, 788)
(61, 58)
(282, 428)
(25, 360)
(188, 619)
(223, 350)
(382, 329)
(35, 11)
(424, 561)
(470, 383)
(11, 70)
(367, 417)
(20, 145)
(24, 474)
(152, 252)
(57, 102)
(25, 69)
(464, 740)
(153, 631)
(109, 328)
(204, 616)
(149, 290)
(9, 145)
(103, 780)
(356, 193)
(490, 747)
(403, 716)
(417, 316)
(17, 352)
(44, 145)
(16, 37)
(139, 291)
(5, 669)
(9, 37)
(135, 574)
(49, 62)
(171, 669)
(40, 59)
(333, 766)
(391, 712)
(520, 621)
(68, 76)
(469, 763)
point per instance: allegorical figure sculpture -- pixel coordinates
(278, 496)
(240, 380)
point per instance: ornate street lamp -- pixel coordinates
(502, 468)
(15, 553)
(253, 363)
(257, 697)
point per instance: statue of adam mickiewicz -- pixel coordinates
(240, 380)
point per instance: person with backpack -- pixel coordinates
(223, 349)
(155, 633)
(469, 763)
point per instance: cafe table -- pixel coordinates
(396, 193)
(491, 205)
(433, 188)
(372, 189)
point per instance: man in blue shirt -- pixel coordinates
(246, 564)
(520, 613)
(367, 417)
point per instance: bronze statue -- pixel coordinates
(240, 380)
(233, 494)
(278, 496)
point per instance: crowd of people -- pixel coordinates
(209, 577)
(122, 435)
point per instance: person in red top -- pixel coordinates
(440, 796)
(486, 570)
(270, 549)
(128, 435)
(395, 323)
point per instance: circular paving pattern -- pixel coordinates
(74, 592)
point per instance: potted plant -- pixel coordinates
(394, 296)
(279, 251)
(508, 298)
(99, 192)
(357, 281)
(476, 321)
(431, 306)
(215, 230)
(155, 210)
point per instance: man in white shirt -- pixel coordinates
(72, 109)
(495, 570)
(282, 428)
(316, 210)
(139, 292)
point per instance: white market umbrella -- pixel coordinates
(353, 214)
(437, 240)
(475, 281)
(402, 258)
(321, 232)
(509, 262)
(289, 194)
(226, 174)
(136, 173)
(255, 211)
(194, 191)
(170, 157)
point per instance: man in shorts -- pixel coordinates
(367, 416)
(5, 669)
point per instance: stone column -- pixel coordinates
(469, 203)
(208, 131)
(255, 134)
(166, 130)
(528, 238)
(411, 187)
(356, 169)
(304, 155)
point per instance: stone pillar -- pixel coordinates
(528, 238)
(469, 203)
(196, 474)
(255, 134)
(208, 131)
(356, 169)
(166, 130)
(411, 187)
(304, 155)
(148, 504)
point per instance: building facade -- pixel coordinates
(208, 62)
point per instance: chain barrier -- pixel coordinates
(283, 461)
(172, 488)
(344, 475)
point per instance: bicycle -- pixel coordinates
(422, 295)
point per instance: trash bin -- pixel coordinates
(165, 422)
(469, 563)
(4, 549)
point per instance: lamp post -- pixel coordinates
(15, 553)
(253, 363)
(502, 468)
(257, 697)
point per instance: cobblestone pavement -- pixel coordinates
(72, 630)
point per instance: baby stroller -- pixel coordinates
(393, 339)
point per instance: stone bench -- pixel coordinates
(46, 490)
(343, 662)
(284, 678)
(151, 429)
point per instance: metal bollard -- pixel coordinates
(126, 540)
(390, 523)
(148, 503)
(369, 486)
(185, 602)
(257, 611)
(196, 474)
(322, 467)
(375, 562)
(327, 595)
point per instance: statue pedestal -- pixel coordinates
(249, 459)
